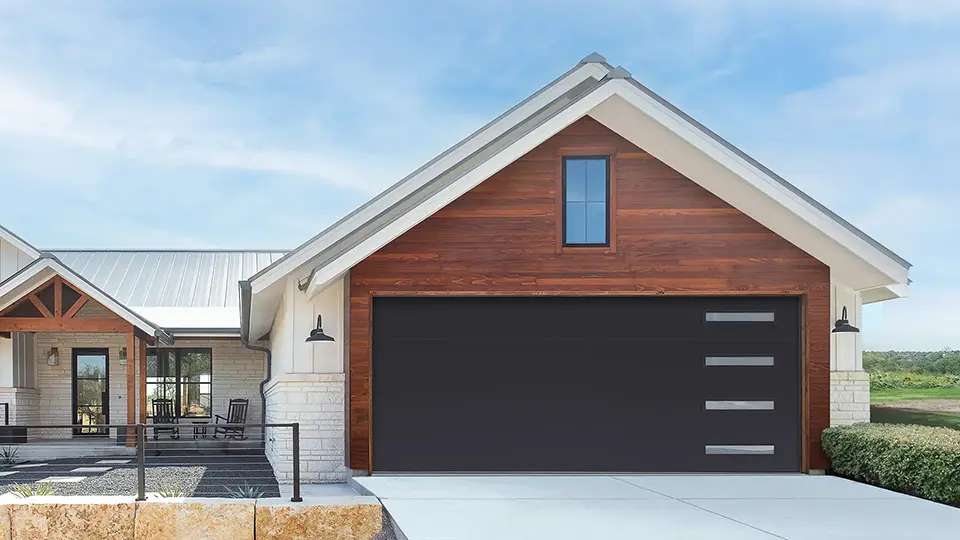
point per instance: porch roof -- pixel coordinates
(25, 282)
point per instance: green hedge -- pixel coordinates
(920, 460)
(899, 379)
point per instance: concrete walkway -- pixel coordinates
(662, 507)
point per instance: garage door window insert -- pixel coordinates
(586, 201)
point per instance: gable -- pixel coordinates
(669, 234)
(612, 97)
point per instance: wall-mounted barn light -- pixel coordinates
(843, 324)
(53, 357)
(123, 356)
(317, 333)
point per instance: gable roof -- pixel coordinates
(46, 266)
(614, 98)
(179, 290)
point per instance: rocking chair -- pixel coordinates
(163, 413)
(236, 414)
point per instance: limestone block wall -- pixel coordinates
(849, 397)
(316, 401)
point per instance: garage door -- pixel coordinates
(500, 384)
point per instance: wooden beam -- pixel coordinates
(143, 380)
(57, 297)
(29, 324)
(76, 307)
(40, 307)
(131, 386)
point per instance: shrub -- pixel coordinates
(40, 489)
(8, 455)
(899, 379)
(246, 491)
(919, 460)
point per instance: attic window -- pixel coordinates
(586, 201)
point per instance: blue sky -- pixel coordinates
(255, 124)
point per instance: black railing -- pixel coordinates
(185, 445)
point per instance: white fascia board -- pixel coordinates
(892, 271)
(24, 281)
(302, 255)
(263, 309)
(882, 294)
(43, 269)
(485, 170)
(775, 190)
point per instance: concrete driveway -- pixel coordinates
(655, 507)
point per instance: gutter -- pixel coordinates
(245, 294)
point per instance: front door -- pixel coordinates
(91, 390)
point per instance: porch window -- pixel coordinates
(183, 375)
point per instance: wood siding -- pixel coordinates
(672, 238)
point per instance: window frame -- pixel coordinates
(178, 364)
(586, 152)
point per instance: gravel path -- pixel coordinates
(203, 477)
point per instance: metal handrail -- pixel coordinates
(141, 435)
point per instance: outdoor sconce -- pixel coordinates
(123, 356)
(843, 325)
(53, 357)
(317, 333)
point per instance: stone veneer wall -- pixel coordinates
(316, 401)
(24, 403)
(55, 383)
(849, 397)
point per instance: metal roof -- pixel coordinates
(203, 278)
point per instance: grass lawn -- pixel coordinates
(880, 396)
(887, 415)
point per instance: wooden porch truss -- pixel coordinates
(54, 305)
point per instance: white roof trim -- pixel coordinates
(892, 268)
(42, 269)
(307, 251)
(334, 251)
(18, 242)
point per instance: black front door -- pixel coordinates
(91, 390)
(649, 384)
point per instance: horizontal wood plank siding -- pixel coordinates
(672, 237)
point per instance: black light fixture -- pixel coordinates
(317, 333)
(843, 325)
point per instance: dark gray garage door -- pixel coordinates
(586, 384)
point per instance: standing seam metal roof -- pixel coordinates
(169, 278)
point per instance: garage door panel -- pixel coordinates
(577, 384)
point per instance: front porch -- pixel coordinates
(74, 356)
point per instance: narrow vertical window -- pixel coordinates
(586, 201)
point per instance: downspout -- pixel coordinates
(245, 294)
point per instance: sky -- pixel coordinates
(247, 124)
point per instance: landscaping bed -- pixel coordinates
(918, 460)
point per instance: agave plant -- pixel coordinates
(246, 491)
(170, 492)
(40, 489)
(8, 455)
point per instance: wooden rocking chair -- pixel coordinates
(236, 414)
(165, 419)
